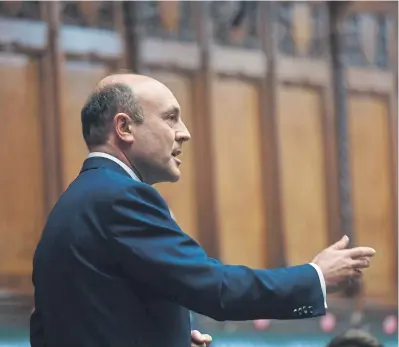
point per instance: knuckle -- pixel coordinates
(356, 273)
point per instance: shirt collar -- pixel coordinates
(116, 160)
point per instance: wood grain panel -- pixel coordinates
(21, 179)
(79, 79)
(372, 193)
(181, 196)
(237, 157)
(300, 141)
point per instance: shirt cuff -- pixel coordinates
(322, 282)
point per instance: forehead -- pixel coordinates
(158, 98)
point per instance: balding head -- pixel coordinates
(126, 93)
(110, 97)
(146, 90)
(132, 80)
(137, 118)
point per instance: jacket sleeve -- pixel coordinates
(153, 250)
(36, 330)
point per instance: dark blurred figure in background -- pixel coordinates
(355, 338)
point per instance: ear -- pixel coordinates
(122, 125)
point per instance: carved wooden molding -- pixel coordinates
(303, 71)
(14, 33)
(96, 42)
(156, 51)
(370, 80)
(187, 56)
(238, 61)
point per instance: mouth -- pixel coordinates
(175, 154)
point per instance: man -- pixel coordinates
(355, 338)
(113, 268)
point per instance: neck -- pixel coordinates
(119, 154)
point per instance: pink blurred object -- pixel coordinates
(390, 324)
(261, 324)
(328, 323)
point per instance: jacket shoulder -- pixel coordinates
(114, 187)
(141, 192)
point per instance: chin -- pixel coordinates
(170, 176)
(174, 178)
(173, 175)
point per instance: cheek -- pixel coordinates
(166, 136)
(162, 141)
(156, 140)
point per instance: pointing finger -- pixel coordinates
(359, 252)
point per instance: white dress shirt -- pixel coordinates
(134, 176)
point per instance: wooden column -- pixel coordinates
(51, 99)
(330, 110)
(395, 130)
(131, 36)
(338, 75)
(205, 188)
(270, 161)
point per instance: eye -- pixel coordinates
(172, 118)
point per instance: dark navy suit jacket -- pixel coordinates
(114, 269)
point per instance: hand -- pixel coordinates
(339, 264)
(200, 340)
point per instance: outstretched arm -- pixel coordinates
(154, 250)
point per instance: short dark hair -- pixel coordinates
(355, 338)
(102, 106)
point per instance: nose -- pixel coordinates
(182, 133)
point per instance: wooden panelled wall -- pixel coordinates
(260, 183)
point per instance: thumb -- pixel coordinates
(341, 244)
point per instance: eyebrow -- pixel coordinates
(172, 110)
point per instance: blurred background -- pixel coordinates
(293, 111)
